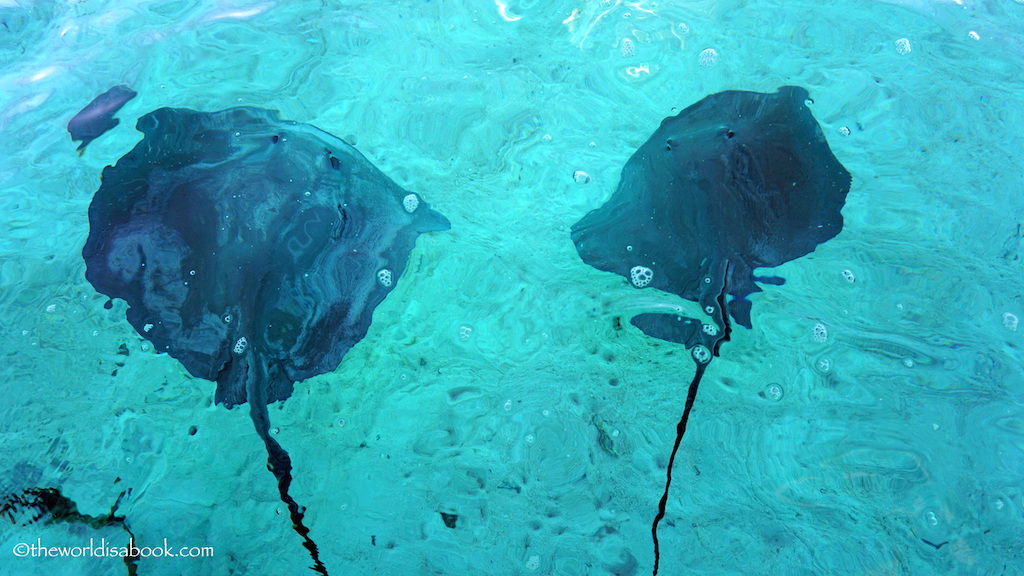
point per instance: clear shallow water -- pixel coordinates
(912, 430)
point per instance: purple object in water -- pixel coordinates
(98, 117)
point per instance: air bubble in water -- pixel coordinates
(701, 354)
(707, 57)
(902, 46)
(581, 177)
(1010, 321)
(823, 366)
(848, 276)
(641, 276)
(820, 333)
(844, 131)
(465, 332)
(626, 48)
(773, 392)
(411, 202)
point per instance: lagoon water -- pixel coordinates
(871, 422)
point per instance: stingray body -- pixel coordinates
(737, 181)
(253, 250)
(739, 177)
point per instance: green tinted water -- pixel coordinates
(492, 383)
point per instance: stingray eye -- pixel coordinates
(729, 133)
(668, 144)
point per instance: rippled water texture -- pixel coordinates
(871, 423)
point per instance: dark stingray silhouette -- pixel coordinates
(98, 116)
(737, 181)
(253, 250)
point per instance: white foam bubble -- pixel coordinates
(707, 57)
(1010, 321)
(626, 48)
(701, 354)
(641, 276)
(411, 202)
(823, 366)
(774, 392)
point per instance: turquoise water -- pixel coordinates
(492, 383)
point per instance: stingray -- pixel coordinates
(98, 116)
(737, 181)
(252, 250)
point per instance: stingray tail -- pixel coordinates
(691, 396)
(279, 463)
(715, 294)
